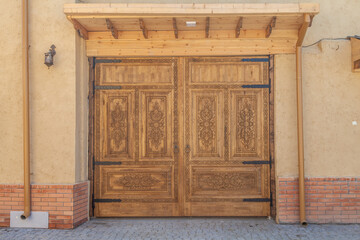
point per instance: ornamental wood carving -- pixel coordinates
(206, 124)
(118, 124)
(226, 181)
(156, 124)
(138, 181)
(246, 123)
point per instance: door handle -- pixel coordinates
(176, 148)
(187, 148)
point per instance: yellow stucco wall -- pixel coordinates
(55, 133)
(10, 94)
(59, 105)
(331, 103)
(331, 98)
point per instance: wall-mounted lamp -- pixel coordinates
(49, 56)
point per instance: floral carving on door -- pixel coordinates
(206, 124)
(118, 123)
(246, 122)
(156, 123)
(138, 181)
(226, 181)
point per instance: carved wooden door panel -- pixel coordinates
(226, 137)
(136, 138)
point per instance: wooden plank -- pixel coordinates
(176, 33)
(214, 34)
(238, 27)
(207, 27)
(143, 28)
(204, 47)
(303, 29)
(193, 9)
(270, 27)
(78, 27)
(355, 54)
(111, 27)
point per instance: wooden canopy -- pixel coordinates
(190, 29)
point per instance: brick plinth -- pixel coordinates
(328, 200)
(67, 205)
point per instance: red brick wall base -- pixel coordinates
(328, 200)
(67, 205)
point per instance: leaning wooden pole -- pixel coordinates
(26, 129)
(300, 128)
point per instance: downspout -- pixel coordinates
(300, 131)
(26, 129)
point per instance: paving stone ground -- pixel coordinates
(187, 228)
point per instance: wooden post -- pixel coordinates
(300, 132)
(26, 128)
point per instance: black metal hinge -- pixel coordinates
(256, 200)
(106, 200)
(95, 61)
(255, 60)
(108, 61)
(92, 202)
(256, 86)
(106, 87)
(106, 163)
(256, 162)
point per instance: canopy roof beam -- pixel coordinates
(238, 27)
(143, 28)
(176, 32)
(302, 31)
(270, 27)
(111, 27)
(164, 29)
(81, 30)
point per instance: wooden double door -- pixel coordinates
(181, 137)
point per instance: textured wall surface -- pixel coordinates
(57, 101)
(331, 103)
(10, 94)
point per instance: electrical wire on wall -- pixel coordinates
(332, 39)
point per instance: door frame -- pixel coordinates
(91, 110)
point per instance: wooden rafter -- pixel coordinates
(143, 28)
(270, 27)
(78, 27)
(311, 20)
(207, 27)
(176, 33)
(112, 28)
(303, 29)
(238, 27)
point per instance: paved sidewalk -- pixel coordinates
(186, 228)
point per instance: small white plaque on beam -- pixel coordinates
(35, 220)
